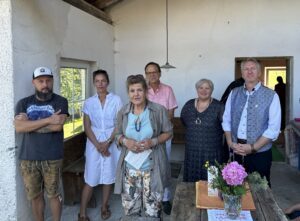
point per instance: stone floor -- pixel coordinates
(285, 186)
(70, 212)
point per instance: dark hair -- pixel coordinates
(136, 79)
(100, 71)
(279, 79)
(155, 64)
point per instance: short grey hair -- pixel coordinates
(202, 81)
(256, 62)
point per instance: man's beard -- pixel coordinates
(44, 96)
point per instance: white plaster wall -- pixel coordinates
(7, 144)
(204, 38)
(43, 32)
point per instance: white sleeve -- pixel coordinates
(226, 124)
(274, 123)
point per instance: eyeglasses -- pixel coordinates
(152, 72)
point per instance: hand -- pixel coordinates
(288, 210)
(145, 144)
(242, 149)
(102, 148)
(233, 146)
(133, 145)
(21, 116)
(106, 152)
(56, 118)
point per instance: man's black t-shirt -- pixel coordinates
(41, 146)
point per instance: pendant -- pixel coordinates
(198, 121)
(138, 124)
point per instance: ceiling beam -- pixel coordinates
(101, 4)
(92, 10)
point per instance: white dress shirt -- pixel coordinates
(273, 129)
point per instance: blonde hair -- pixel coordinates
(257, 64)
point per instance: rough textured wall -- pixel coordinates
(204, 39)
(7, 137)
(43, 32)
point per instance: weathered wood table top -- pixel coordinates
(184, 205)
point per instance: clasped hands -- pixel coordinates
(138, 146)
(102, 148)
(241, 149)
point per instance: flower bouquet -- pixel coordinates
(229, 179)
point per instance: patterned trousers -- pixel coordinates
(137, 195)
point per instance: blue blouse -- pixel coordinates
(140, 132)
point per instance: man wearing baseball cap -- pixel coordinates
(39, 118)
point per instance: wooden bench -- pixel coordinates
(178, 131)
(73, 170)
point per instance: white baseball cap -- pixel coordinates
(42, 71)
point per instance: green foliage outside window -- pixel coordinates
(72, 87)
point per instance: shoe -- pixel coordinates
(85, 218)
(167, 207)
(105, 214)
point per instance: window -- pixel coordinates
(271, 74)
(72, 87)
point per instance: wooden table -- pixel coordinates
(184, 205)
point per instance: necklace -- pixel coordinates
(198, 119)
(138, 121)
(137, 124)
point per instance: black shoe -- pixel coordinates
(167, 207)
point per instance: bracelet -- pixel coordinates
(108, 141)
(252, 148)
(123, 142)
(154, 141)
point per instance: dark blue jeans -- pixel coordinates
(260, 162)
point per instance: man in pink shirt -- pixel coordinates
(162, 94)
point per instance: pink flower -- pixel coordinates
(234, 174)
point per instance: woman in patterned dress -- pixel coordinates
(101, 154)
(202, 119)
(143, 169)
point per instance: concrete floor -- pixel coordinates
(285, 186)
(284, 178)
(70, 212)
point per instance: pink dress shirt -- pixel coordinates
(164, 95)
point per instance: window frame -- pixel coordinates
(77, 64)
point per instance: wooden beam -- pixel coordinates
(102, 4)
(90, 9)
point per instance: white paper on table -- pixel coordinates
(137, 159)
(210, 177)
(220, 215)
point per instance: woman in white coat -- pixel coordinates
(101, 153)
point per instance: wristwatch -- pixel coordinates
(252, 148)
